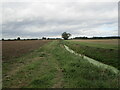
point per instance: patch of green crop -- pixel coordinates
(97, 45)
(107, 56)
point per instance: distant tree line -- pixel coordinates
(43, 38)
(80, 38)
(18, 38)
(65, 36)
(110, 37)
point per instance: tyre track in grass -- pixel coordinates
(18, 66)
(58, 78)
(94, 62)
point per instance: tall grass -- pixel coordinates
(107, 56)
(78, 73)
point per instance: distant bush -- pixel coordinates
(18, 38)
(43, 38)
(65, 35)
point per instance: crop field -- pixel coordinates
(106, 43)
(12, 49)
(105, 51)
(47, 64)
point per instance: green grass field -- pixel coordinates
(103, 52)
(51, 66)
(105, 44)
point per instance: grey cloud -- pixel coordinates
(51, 19)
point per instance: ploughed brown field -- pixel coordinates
(11, 49)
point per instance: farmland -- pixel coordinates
(106, 43)
(12, 49)
(50, 65)
(105, 51)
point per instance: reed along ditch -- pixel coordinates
(106, 56)
(94, 62)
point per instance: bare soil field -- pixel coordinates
(11, 49)
(102, 41)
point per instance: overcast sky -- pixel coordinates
(50, 19)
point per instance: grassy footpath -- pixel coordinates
(106, 55)
(53, 66)
(34, 70)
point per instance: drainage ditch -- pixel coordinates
(93, 61)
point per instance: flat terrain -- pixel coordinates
(104, 41)
(52, 66)
(105, 51)
(12, 49)
(101, 43)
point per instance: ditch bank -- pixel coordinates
(94, 62)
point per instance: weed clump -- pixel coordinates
(42, 54)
